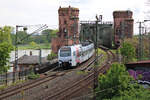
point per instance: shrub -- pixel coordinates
(51, 56)
(33, 76)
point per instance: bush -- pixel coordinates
(128, 52)
(51, 56)
(33, 76)
(116, 84)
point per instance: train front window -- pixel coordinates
(65, 52)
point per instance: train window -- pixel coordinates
(80, 53)
(64, 52)
(74, 53)
(65, 22)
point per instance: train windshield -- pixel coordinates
(65, 52)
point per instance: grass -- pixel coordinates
(4, 86)
(27, 46)
(82, 73)
(104, 57)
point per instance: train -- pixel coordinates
(72, 56)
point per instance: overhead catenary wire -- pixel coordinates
(40, 29)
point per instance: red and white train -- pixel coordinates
(75, 54)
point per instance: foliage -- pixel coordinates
(128, 52)
(5, 34)
(27, 46)
(116, 84)
(51, 56)
(44, 38)
(47, 33)
(13, 38)
(33, 45)
(32, 75)
(135, 42)
(5, 49)
(116, 76)
(104, 56)
(2, 87)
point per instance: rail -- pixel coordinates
(75, 88)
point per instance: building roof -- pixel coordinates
(145, 63)
(30, 60)
(66, 8)
(122, 11)
(140, 62)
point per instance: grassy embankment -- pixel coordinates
(42, 46)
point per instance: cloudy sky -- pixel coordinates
(31, 12)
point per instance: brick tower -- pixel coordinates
(68, 28)
(123, 24)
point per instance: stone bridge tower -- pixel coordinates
(68, 28)
(123, 24)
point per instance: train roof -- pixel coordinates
(86, 43)
(81, 44)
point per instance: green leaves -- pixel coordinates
(5, 34)
(127, 51)
(5, 49)
(51, 56)
(116, 84)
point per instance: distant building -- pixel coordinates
(123, 24)
(68, 28)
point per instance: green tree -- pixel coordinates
(51, 56)
(128, 52)
(116, 77)
(13, 38)
(5, 34)
(54, 33)
(5, 49)
(116, 84)
(22, 37)
(47, 33)
(33, 45)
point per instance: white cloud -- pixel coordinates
(46, 11)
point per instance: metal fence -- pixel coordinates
(9, 77)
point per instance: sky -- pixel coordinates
(33, 12)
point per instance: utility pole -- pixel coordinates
(16, 54)
(149, 44)
(148, 37)
(140, 46)
(96, 57)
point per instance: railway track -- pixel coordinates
(48, 76)
(68, 92)
(18, 92)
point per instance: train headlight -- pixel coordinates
(70, 61)
(36, 68)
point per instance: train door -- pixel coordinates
(73, 57)
(77, 56)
